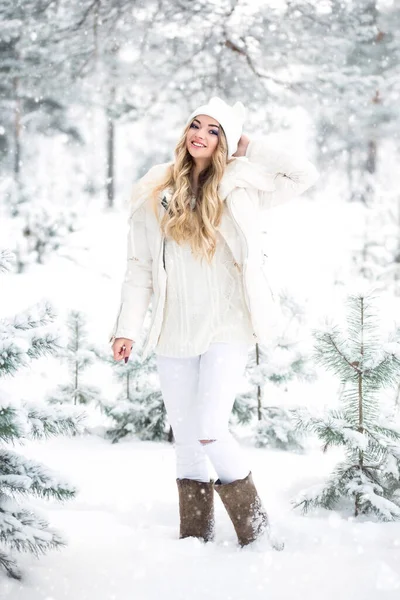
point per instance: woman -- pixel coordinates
(194, 250)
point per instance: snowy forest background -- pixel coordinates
(92, 94)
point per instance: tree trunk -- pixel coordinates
(360, 402)
(110, 160)
(17, 131)
(258, 386)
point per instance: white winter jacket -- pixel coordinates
(264, 178)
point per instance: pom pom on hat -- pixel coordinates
(231, 119)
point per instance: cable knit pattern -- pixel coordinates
(211, 309)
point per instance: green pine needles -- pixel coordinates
(78, 355)
(277, 364)
(139, 408)
(369, 474)
(26, 337)
(277, 429)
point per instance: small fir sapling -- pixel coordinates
(78, 355)
(26, 337)
(139, 407)
(369, 474)
(278, 363)
(43, 227)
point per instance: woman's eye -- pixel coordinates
(212, 130)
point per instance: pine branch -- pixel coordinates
(38, 316)
(46, 423)
(385, 374)
(19, 475)
(331, 429)
(9, 565)
(38, 537)
(391, 433)
(6, 260)
(19, 352)
(244, 408)
(84, 394)
(329, 351)
(43, 345)
(350, 399)
(11, 426)
(317, 496)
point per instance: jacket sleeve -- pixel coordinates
(137, 286)
(289, 175)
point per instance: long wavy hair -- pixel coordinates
(182, 223)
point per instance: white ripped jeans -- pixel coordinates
(198, 393)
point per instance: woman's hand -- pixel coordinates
(122, 348)
(242, 146)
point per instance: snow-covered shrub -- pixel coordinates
(25, 337)
(370, 473)
(78, 355)
(283, 360)
(139, 408)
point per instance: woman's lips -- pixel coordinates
(196, 146)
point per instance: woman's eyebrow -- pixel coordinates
(210, 124)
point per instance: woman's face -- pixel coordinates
(205, 131)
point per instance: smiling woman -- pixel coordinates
(203, 152)
(206, 314)
(201, 141)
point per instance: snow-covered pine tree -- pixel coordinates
(369, 473)
(78, 355)
(22, 339)
(278, 363)
(277, 429)
(41, 228)
(139, 408)
(45, 230)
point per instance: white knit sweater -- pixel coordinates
(211, 310)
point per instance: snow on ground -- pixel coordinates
(122, 528)
(122, 532)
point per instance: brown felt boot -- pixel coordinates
(196, 509)
(244, 508)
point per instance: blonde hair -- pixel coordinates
(180, 222)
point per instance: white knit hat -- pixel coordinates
(231, 118)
